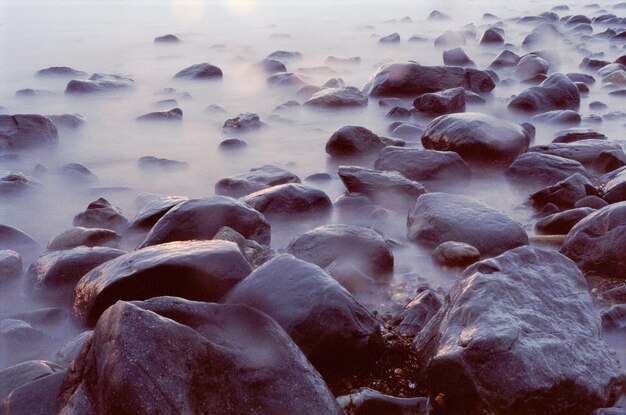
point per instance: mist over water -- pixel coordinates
(117, 37)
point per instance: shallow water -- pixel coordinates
(117, 37)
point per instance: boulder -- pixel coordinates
(614, 186)
(557, 92)
(200, 71)
(60, 72)
(443, 217)
(35, 398)
(582, 151)
(101, 214)
(151, 163)
(167, 39)
(345, 97)
(76, 173)
(175, 114)
(576, 134)
(351, 140)
(15, 376)
(477, 137)
(562, 222)
(26, 131)
(16, 240)
(565, 193)
(153, 207)
(456, 254)
(244, 122)
(68, 121)
(269, 66)
(538, 169)
(289, 199)
(10, 266)
(418, 313)
(450, 38)
(79, 236)
(196, 270)
(201, 219)
(510, 341)
(284, 54)
(506, 59)
(491, 37)
(285, 79)
(444, 102)
(457, 57)
(13, 183)
(99, 83)
(392, 38)
(333, 330)
(366, 401)
(530, 66)
(168, 355)
(257, 178)
(563, 117)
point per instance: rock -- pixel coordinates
(398, 113)
(23, 373)
(408, 131)
(100, 214)
(255, 253)
(477, 137)
(444, 102)
(364, 247)
(410, 79)
(244, 122)
(175, 114)
(506, 59)
(576, 134)
(565, 193)
(334, 83)
(392, 38)
(614, 186)
(334, 331)
(68, 121)
(582, 151)
(418, 313)
(16, 240)
(13, 183)
(593, 202)
(544, 35)
(286, 79)
(333, 60)
(19, 341)
(26, 131)
(195, 270)
(608, 161)
(436, 168)
(565, 117)
(457, 57)
(437, 15)
(352, 140)
(10, 267)
(177, 356)
(35, 398)
(614, 318)
(597, 105)
(581, 77)
(152, 163)
(529, 66)
(232, 144)
(491, 37)
(597, 242)
(385, 187)
(70, 351)
(56, 273)
(537, 169)
(442, 217)
(555, 93)
(79, 236)
(28, 92)
(202, 218)
(152, 209)
(450, 38)
(269, 66)
(561, 223)
(167, 39)
(505, 307)
(60, 72)
(99, 83)
(257, 178)
(215, 109)
(366, 401)
(348, 96)
(283, 54)
(77, 173)
(289, 199)
(455, 254)
(200, 71)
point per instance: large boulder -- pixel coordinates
(14, 183)
(196, 270)
(333, 330)
(79, 236)
(35, 398)
(447, 101)
(60, 72)
(614, 186)
(410, 79)
(351, 140)
(15, 376)
(201, 219)
(172, 356)
(583, 151)
(200, 71)
(99, 83)
(557, 92)
(561, 223)
(16, 240)
(257, 178)
(289, 199)
(598, 242)
(152, 208)
(101, 214)
(175, 114)
(510, 340)
(477, 137)
(10, 266)
(24, 131)
(345, 97)
(364, 247)
(565, 193)
(538, 169)
(442, 217)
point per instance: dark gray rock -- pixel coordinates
(529, 66)
(269, 66)
(200, 71)
(614, 318)
(555, 93)
(506, 59)
(608, 161)
(418, 313)
(398, 113)
(10, 266)
(16, 240)
(77, 173)
(79, 236)
(255, 253)
(437, 15)
(597, 242)
(456, 254)
(101, 214)
(202, 218)
(352, 140)
(175, 114)
(257, 178)
(14, 183)
(196, 270)
(288, 200)
(366, 401)
(99, 83)
(442, 217)
(68, 121)
(334, 331)
(565, 117)
(169, 39)
(562, 222)
(284, 54)
(538, 169)
(576, 134)
(152, 209)
(286, 79)
(593, 202)
(19, 341)
(176, 356)
(444, 102)
(488, 348)
(477, 137)
(152, 163)
(457, 57)
(491, 37)
(410, 79)
(29, 92)
(26, 131)
(35, 398)
(614, 186)
(392, 38)
(15, 376)
(60, 72)
(244, 122)
(232, 144)
(345, 97)
(566, 193)
(582, 151)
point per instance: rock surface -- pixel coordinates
(99, 83)
(257, 178)
(557, 92)
(289, 199)
(345, 97)
(200, 71)
(26, 131)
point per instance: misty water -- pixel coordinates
(117, 37)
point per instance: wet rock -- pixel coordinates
(333, 330)
(215, 109)
(175, 114)
(283, 54)
(408, 131)
(171, 39)
(477, 137)
(269, 66)
(202, 218)
(444, 102)
(614, 318)
(154, 163)
(455, 254)
(348, 96)
(544, 35)
(179, 356)
(255, 253)
(608, 161)
(56, 273)
(581, 77)
(70, 351)
(597, 242)
(77, 173)
(398, 113)
(614, 186)
(26, 131)
(152, 209)
(244, 122)
(385, 187)
(418, 313)
(576, 134)
(13, 183)
(537, 169)
(442, 217)
(200, 71)
(363, 247)
(10, 266)
(35, 398)
(101, 214)
(285, 79)
(289, 199)
(353, 140)
(333, 60)
(410, 79)
(233, 144)
(525, 320)
(457, 57)
(562, 222)
(506, 59)
(68, 121)
(368, 401)
(392, 38)
(583, 151)
(16, 240)
(99, 83)
(79, 236)
(29, 92)
(565, 193)
(593, 202)
(257, 178)
(15, 376)
(437, 15)
(195, 270)
(60, 72)
(435, 168)
(529, 66)
(19, 341)
(450, 38)
(491, 37)
(555, 93)
(564, 117)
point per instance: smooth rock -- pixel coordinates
(444, 102)
(538, 169)
(175, 114)
(418, 313)
(257, 178)
(352, 140)
(557, 92)
(10, 266)
(101, 214)
(288, 200)
(99, 83)
(200, 71)
(562, 222)
(456, 254)
(345, 97)
(26, 131)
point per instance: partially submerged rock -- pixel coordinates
(26, 131)
(200, 71)
(257, 178)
